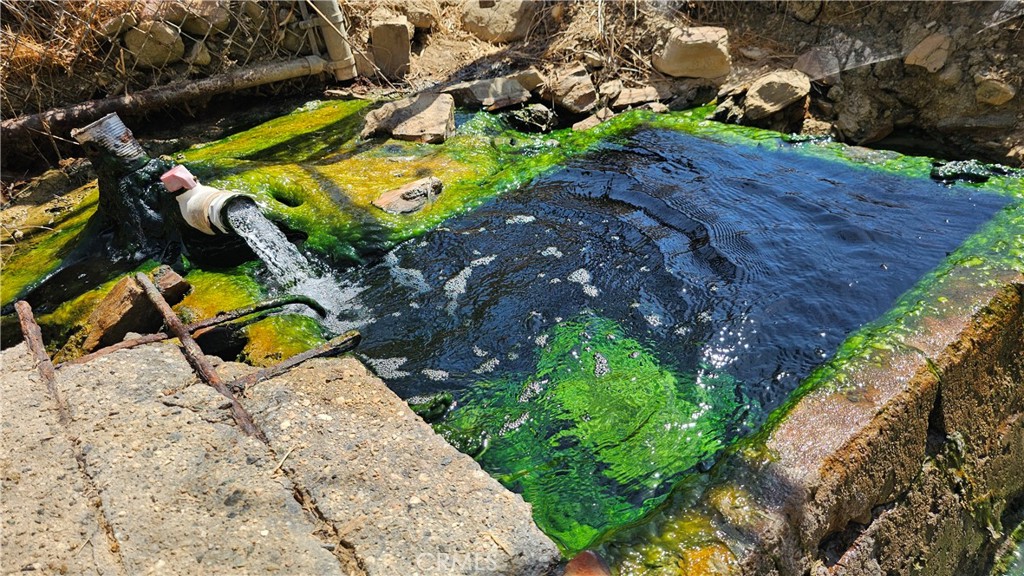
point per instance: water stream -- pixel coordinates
(289, 269)
(610, 328)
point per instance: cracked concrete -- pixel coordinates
(151, 475)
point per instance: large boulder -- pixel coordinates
(572, 89)
(774, 91)
(498, 21)
(421, 118)
(392, 46)
(154, 44)
(697, 52)
(492, 94)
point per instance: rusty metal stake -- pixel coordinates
(336, 346)
(195, 326)
(196, 358)
(34, 340)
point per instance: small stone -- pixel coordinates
(419, 15)
(498, 21)
(154, 44)
(697, 52)
(994, 92)
(532, 118)
(587, 563)
(930, 53)
(411, 197)
(415, 500)
(592, 120)
(392, 48)
(610, 89)
(423, 118)
(573, 90)
(774, 91)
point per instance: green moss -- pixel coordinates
(594, 438)
(218, 291)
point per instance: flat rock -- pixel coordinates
(498, 21)
(930, 53)
(492, 94)
(392, 48)
(407, 501)
(421, 118)
(572, 89)
(154, 44)
(634, 96)
(410, 198)
(774, 91)
(126, 309)
(696, 52)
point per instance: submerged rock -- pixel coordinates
(411, 197)
(587, 563)
(422, 118)
(697, 52)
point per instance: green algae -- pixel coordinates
(593, 437)
(279, 337)
(34, 258)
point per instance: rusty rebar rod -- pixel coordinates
(34, 339)
(194, 355)
(336, 346)
(209, 322)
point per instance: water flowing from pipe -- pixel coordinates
(289, 268)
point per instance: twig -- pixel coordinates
(34, 340)
(281, 463)
(339, 345)
(195, 356)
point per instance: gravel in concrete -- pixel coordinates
(49, 524)
(400, 496)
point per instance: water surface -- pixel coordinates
(614, 325)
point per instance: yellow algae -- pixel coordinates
(217, 291)
(276, 338)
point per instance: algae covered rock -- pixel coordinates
(411, 197)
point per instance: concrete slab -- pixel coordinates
(49, 523)
(401, 497)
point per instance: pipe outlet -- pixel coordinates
(110, 134)
(202, 207)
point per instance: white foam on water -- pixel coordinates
(488, 366)
(435, 375)
(387, 368)
(456, 285)
(551, 251)
(520, 219)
